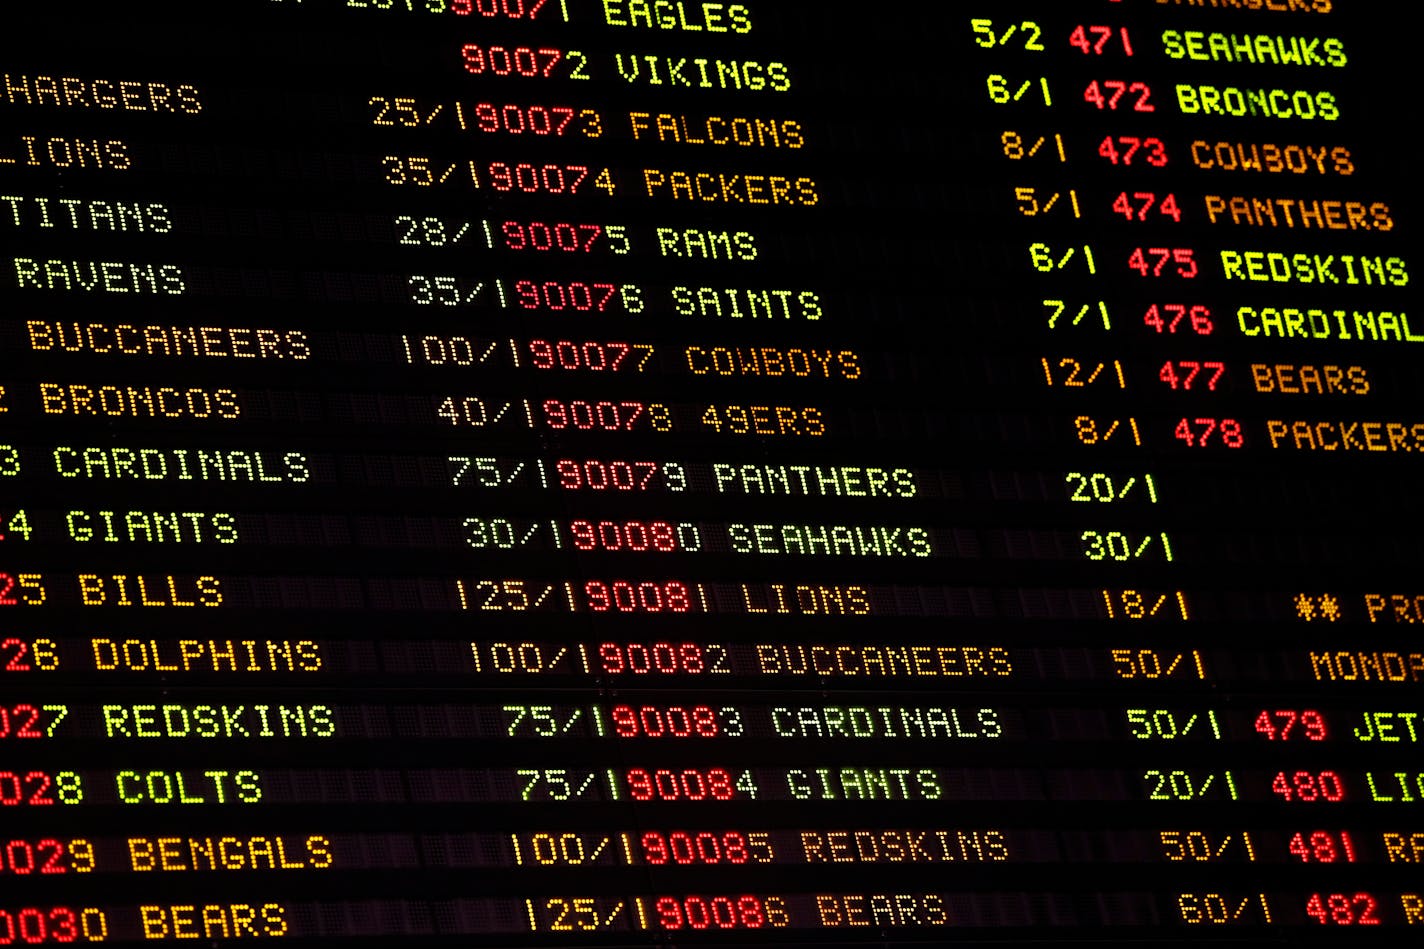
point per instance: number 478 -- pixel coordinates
(1183, 257)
